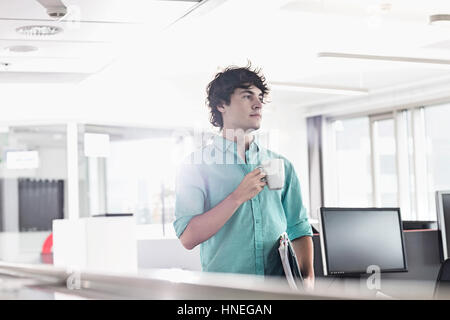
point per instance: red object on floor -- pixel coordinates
(48, 245)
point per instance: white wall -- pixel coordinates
(290, 140)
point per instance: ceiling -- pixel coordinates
(181, 44)
(285, 37)
(94, 35)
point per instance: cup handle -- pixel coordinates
(263, 179)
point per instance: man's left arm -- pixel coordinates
(304, 250)
(298, 228)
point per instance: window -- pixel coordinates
(437, 152)
(371, 162)
(400, 158)
(384, 158)
(350, 164)
(132, 170)
(140, 179)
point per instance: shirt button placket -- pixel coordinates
(257, 222)
(259, 254)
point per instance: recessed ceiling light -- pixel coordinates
(440, 19)
(37, 30)
(21, 49)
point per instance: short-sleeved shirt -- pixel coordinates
(248, 242)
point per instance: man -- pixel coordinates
(223, 204)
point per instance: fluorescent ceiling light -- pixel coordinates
(440, 19)
(327, 89)
(382, 58)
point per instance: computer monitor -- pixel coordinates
(352, 239)
(443, 218)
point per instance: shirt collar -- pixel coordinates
(224, 144)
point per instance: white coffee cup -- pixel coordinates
(274, 170)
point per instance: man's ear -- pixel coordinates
(221, 108)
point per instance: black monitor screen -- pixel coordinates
(444, 222)
(354, 239)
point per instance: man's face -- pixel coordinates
(244, 111)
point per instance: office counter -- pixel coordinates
(27, 281)
(49, 282)
(22, 281)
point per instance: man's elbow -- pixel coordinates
(186, 242)
(188, 245)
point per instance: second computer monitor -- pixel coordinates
(443, 218)
(354, 239)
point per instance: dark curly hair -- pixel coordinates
(219, 90)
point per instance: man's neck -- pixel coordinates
(238, 136)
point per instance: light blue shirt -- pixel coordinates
(248, 242)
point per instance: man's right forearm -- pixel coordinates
(205, 225)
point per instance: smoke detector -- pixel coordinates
(39, 30)
(55, 8)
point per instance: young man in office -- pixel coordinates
(224, 204)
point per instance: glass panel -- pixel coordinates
(33, 175)
(353, 170)
(438, 152)
(139, 178)
(386, 163)
(132, 170)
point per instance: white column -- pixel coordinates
(72, 171)
(97, 185)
